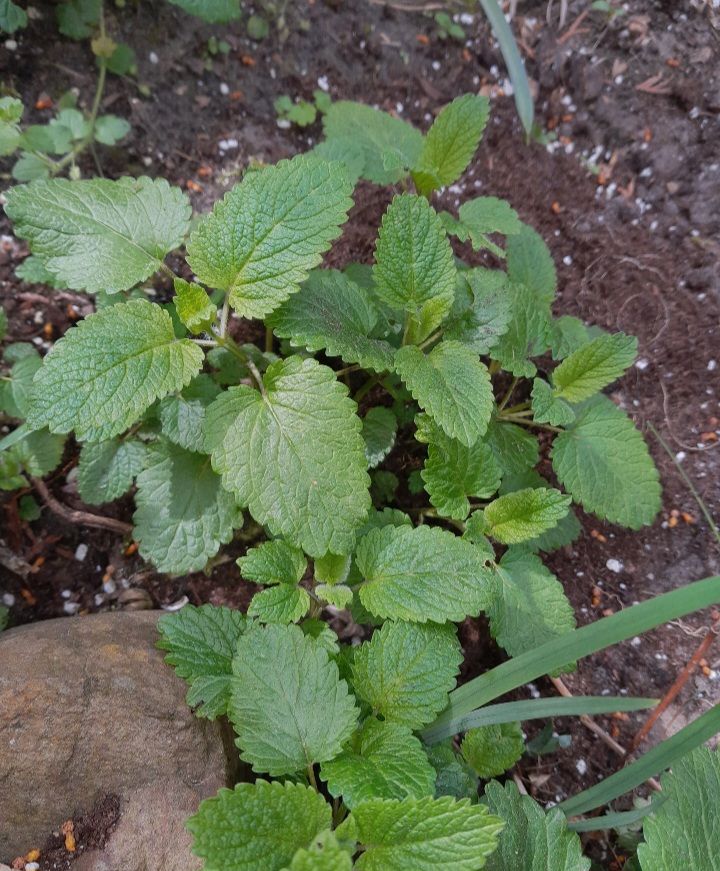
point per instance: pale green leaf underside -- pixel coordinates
(106, 470)
(451, 385)
(104, 373)
(288, 706)
(524, 514)
(379, 428)
(257, 826)
(100, 235)
(295, 456)
(261, 241)
(593, 366)
(183, 514)
(488, 215)
(603, 461)
(284, 603)
(273, 562)
(406, 671)
(533, 839)
(493, 750)
(423, 573)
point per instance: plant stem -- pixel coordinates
(430, 340)
(311, 777)
(521, 406)
(365, 388)
(506, 398)
(511, 418)
(268, 340)
(347, 370)
(232, 346)
(225, 316)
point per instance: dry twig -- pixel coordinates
(74, 515)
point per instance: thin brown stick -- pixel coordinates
(75, 516)
(679, 682)
(573, 29)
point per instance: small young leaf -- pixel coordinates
(182, 417)
(603, 461)
(492, 750)
(453, 776)
(530, 262)
(288, 706)
(527, 335)
(406, 671)
(22, 375)
(294, 455)
(200, 644)
(378, 430)
(484, 215)
(567, 334)
(194, 307)
(523, 515)
(106, 470)
(423, 573)
(326, 853)
(284, 603)
(533, 839)
(109, 129)
(383, 760)
(273, 562)
(39, 453)
(516, 450)
(593, 366)
(98, 234)
(258, 826)
(568, 528)
(338, 595)
(548, 407)
(488, 315)
(263, 238)
(424, 834)
(451, 385)
(104, 373)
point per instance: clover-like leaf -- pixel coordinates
(524, 514)
(593, 366)
(106, 470)
(492, 750)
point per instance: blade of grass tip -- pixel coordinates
(535, 709)
(579, 643)
(652, 762)
(616, 820)
(12, 438)
(513, 61)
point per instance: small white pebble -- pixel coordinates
(109, 586)
(712, 365)
(65, 594)
(99, 599)
(615, 566)
(69, 608)
(228, 144)
(581, 766)
(637, 641)
(11, 44)
(399, 108)
(224, 88)
(680, 456)
(323, 83)
(153, 58)
(642, 364)
(8, 600)
(567, 260)
(81, 551)
(283, 123)
(436, 65)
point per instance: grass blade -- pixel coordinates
(577, 644)
(652, 762)
(12, 438)
(616, 820)
(513, 61)
(535, 709)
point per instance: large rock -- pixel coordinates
(88, 709)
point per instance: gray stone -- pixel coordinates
(88, 708)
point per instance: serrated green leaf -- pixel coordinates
(383, 760)
(533, 839)
(406, 671)
(10, 137)
(484, 215)
(338, 595)
(379, 428)
(263, 238)
(423, 573)
(524, 514)
(389, 145)
(683, 832)
(100, 235)
(21, 379)
(531, 606)
(530, 262)
(332, 568)
(105, 372)
(516, 450)
(30, 167)
(106, 470)
(346, 150)
(273, 562)
(325, 854)
(284, 603)
(182, 417)
(492, 750)
(567, 334)
(603, 461)
(257, 826)
(453, 776)
(488, 314)
(414, 270)
(33, 271)
(294, 456)
(321, 634)
(424, 834)
(39, 453)
(289, 707)
(200, 644)
(549, 408)
(451, 142)
(568, 528)
(12, 17)
(183, 514)
(451, 385)
(527, 334)
(332, 313)
(593, 366)
(194, 307)
(214, 11)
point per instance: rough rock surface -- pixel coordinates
(88, 708)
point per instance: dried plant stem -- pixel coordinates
(81, 517)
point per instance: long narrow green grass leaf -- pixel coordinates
(12, 438)
(649, 764)
(581, 642)
(513, 61)
(616, 820)
(535, 709)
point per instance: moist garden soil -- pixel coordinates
(624, 187)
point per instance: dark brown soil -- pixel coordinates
(626, 197)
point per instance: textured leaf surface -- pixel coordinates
(257, 826)
(389, 145)
(39, 452)
(384, 760)
(531, 607)
(324, 854)
(379, 428)
(515, 449)
(332, 313)
(530, 262)
(284, 603)
(100, 235)
(533, 839)
(603, 461)
(567, 334)
(108, 370)
(406, 671)
(451, 142)
(106, 470)
(289, 707)
(414, 269)
(423, 573)
(524, 514)
(527, 334)
(183, 514)
(182, 417)
(593, 366)
(684, 831)
(451, 385)
(273, 562)
(261, 241)
(547, 407)
(568, 528)
(425, 834)
(194, 307)
(294, 456)
(453, 776)
(492, 750)
(488, 315)
(200, 644)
